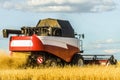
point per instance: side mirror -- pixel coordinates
(80, 35)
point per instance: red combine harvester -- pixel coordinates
(53, 42)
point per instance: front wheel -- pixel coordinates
(78, 60)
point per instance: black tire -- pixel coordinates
(78, 60)
(51, 63)
(31, 61)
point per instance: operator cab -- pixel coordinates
(55, 27)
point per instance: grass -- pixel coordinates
(9, 70)
(12, 62)
(66, 73)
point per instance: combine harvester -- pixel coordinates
(53, 42)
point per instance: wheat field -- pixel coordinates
(10, 70)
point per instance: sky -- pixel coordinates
(98, 20)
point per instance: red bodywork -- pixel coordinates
(37, 44)
(65, 54)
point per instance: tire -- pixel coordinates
(51, 63)
(31, 62)
(78, 60)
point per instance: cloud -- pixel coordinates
(79, 6)
(111, 51)
(107, 41)
(108, 46)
